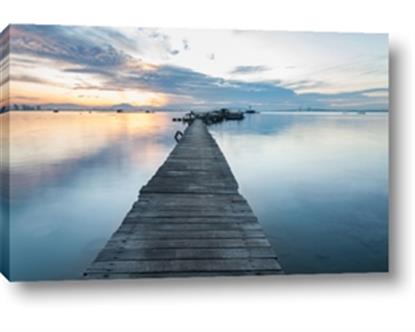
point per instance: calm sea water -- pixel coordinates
(317, 182)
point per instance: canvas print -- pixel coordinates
(131, 152)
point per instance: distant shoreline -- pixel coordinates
(184, 111)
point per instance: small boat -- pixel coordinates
(234, 116)
(119, 110)
(189, 117)
(55, 111)
(250, 111)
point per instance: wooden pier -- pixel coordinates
(189, 220)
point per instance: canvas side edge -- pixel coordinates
(4, 152)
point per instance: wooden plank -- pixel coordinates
(180, 227)
(179, 274)
(189, 220)
(185, 265)
(188, 243)
(196, 214)
(188, 235)
(185, 253)
(197, 204)
(183, 199)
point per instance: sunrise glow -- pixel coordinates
(97, 67)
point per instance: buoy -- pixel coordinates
(178, 136)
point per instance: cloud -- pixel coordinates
(25, 98)
(153, 39)
(242, 70)
(4, 44)
(29, 79)
(4, 80)
(86, 86)
(377, 93)
(345, 94)
(94, 51)
(305, 84)
(106, 71)
(64, 44)
(179, 81)
(365, 99)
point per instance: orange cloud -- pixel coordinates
(37, 93)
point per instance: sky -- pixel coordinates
(104, 67)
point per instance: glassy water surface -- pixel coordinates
(317, 182)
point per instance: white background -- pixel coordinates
(300, 303)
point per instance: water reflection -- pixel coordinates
(318, 184)
(47, 147)
(73, 178)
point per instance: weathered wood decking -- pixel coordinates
(189, 220)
